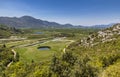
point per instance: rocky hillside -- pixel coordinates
(98, 55)
(105, 35)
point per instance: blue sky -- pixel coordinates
(77, 12)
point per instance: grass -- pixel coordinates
(31, 53)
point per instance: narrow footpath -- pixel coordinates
(71, 41)
(14, 52)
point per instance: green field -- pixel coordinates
(31, 53)
(48, 37)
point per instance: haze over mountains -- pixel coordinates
(31, 22)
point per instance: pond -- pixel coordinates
(44, 48)
(38, 33)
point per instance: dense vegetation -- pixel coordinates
(6, 57)
(92, 61)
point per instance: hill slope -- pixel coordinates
(6, 31)
(105, 35)
(98, 55)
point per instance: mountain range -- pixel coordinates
(31, 22)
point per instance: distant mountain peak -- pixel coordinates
(31, 22)
(28, 17)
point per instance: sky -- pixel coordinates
(76, 12)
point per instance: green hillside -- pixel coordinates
(6, 31)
